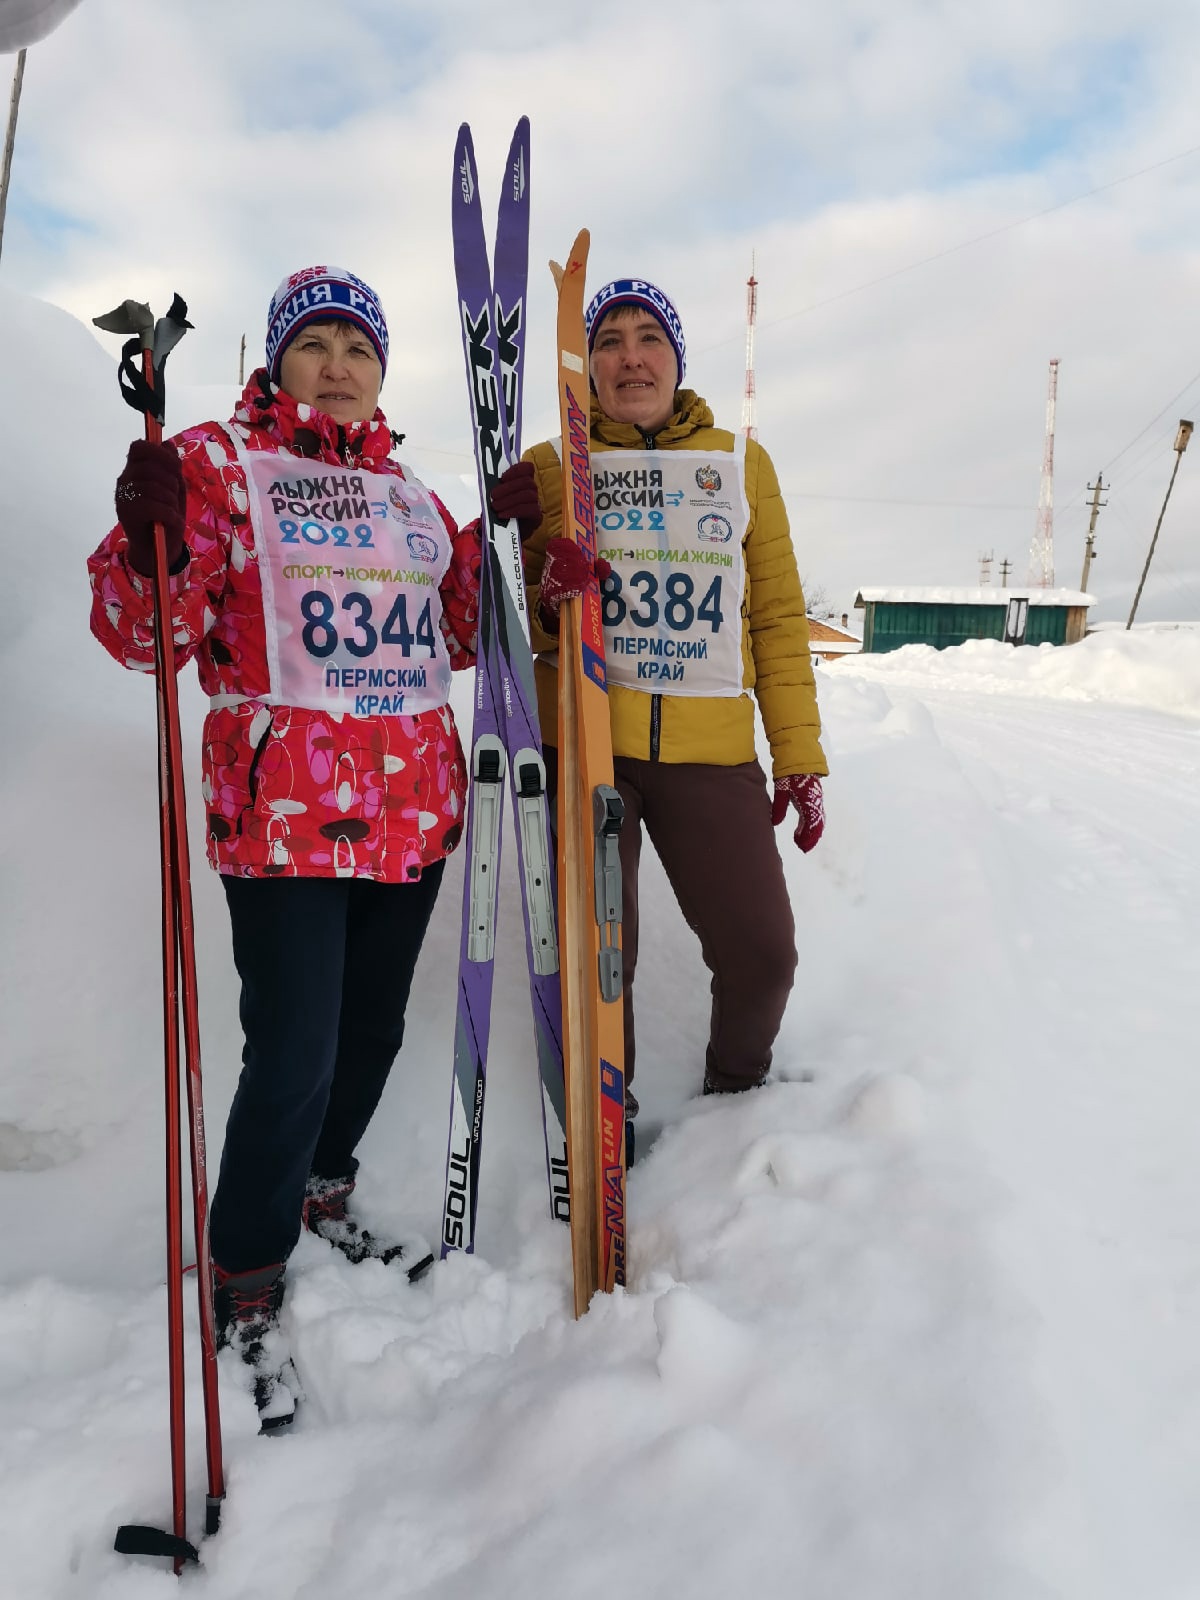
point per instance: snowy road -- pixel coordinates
(1096, 1128)
(1083, 1100)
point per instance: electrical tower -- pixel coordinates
(748, 422)
(1041, 552)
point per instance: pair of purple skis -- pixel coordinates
(506, 749)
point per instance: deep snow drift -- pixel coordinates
(918, 1319)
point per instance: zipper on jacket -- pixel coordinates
(655, 724)
(649, 440)
(252, 770)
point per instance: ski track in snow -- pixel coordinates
(918, 1319)
(1098, 814)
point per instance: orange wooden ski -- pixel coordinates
(589, 870)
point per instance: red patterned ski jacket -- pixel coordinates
(289, 791)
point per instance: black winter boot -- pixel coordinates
(326, 1215)
(718, 1082)
(246, 1307)
(732, 1088)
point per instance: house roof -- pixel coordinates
(824, 636)
(986, 596)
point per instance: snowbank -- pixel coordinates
(1158, 669)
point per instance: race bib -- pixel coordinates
(671, 523)
(350, 564)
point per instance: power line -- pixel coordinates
(1171, 403)
(1186, 584)
(877, 500)
(436, 450)
(1152, 459)
(1149, 451)
(1150, 454)
(965, 244)
(1133, 534)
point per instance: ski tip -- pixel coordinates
(518, 162)
(576, 261)
(464, 185)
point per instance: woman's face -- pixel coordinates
(332, 366)
(634, 369)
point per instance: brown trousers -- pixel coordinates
(711, 828)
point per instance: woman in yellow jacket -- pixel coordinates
(702, 605)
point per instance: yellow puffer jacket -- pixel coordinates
(775, 658)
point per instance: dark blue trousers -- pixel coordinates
(326, 966)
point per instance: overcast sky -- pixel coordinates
(212, 148)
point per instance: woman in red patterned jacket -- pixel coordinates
(326, 596)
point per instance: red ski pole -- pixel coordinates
(153, 342)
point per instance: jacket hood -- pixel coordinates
(691, 413)
(292, 425)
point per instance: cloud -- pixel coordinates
(24, 22)
(211, 149)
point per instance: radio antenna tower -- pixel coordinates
(748, 423)
(1041, 552)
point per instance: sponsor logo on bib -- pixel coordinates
(708, 479)
(422, 547)
(714, 529)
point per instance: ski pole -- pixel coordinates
(144, 391)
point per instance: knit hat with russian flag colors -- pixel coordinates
(323, 294)
(637, 292)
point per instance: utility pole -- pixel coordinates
(1041, 553)
(748, 398)
(10, 138)
(985, 568)
(1005, 569)
(242, 365)
(1180, 445)
(1089, 549)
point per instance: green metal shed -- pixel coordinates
(944, 617)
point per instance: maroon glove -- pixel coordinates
(514, 496)
(803, 792)
(149, 490)
(565, 576)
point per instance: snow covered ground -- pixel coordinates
(919, 1319)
